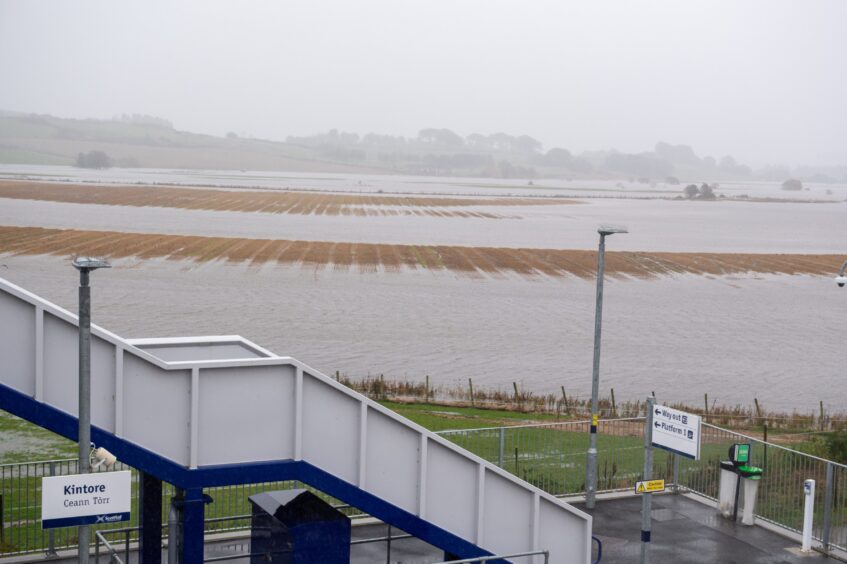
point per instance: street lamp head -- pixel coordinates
(841, 281)
(611, 229)
(90, 263)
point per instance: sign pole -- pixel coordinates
(84, 398)
(85, 266)
(647, 497)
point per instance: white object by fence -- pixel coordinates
(808, 514)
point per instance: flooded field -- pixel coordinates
(367, 257)
(457, 278)
(389, 184)
(301, 203)
(775, 337)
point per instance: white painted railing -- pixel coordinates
(202, 401)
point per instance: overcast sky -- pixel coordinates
(765, 81)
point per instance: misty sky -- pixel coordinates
(765, 81)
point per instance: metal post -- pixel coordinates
(193, 508)
(675, 473)
(808, 514)
(827, 506)
(51, 534)
(84, 397)
(646, 497)
(150, 519)
(591, 462)
(591, 470)
(85, 266)
(173, 535)
(502, 445)
(388, 546)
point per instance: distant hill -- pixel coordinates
(150, 142)
(42, 139)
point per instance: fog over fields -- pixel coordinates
(414, 188)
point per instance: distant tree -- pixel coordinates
(93, 159)
(676, 154)
(441, 137)
(526, 144)
(501, 141)
(728, 162)
(792, 184)
(232, 135)
(672, 180)
(706, 192)
(691, 191)
(555, 157)
(477, 141)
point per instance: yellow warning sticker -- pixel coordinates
(649, 486)
(594, 419)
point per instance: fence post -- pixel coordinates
(675, 473)
(51, 534)
(827, 506)
(502, 445)
(470, 388)
(614, 407)
(2, 522)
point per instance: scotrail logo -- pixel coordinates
(108, 518)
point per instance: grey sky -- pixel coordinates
(763, 80)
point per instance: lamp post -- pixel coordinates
(85, 265)
(591, 464)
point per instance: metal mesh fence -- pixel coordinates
(551, 456)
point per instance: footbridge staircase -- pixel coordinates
(211, 411)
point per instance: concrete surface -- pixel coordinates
(687, 531)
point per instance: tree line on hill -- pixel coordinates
(443, 151)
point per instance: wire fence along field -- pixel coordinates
(550, 456)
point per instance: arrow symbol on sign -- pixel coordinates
(658, 412)
(656, 424)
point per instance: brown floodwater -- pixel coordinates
(777, 338)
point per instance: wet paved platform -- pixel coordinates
(685, 530)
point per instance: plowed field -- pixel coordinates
(369, 257)
(303, 203)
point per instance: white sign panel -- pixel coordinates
(676, 431)
(85, 499)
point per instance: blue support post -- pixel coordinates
(150, 504)
(193, 514)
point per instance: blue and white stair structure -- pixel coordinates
(209, 411)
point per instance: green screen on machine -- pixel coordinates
(741, 454)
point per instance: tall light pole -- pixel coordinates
(85, 265)
(591, 464)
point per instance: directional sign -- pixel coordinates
(85, 499)
(649, 486)
(676, 431)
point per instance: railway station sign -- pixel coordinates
(85, 499)
(676, 431)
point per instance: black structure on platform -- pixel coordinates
(297, 527)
